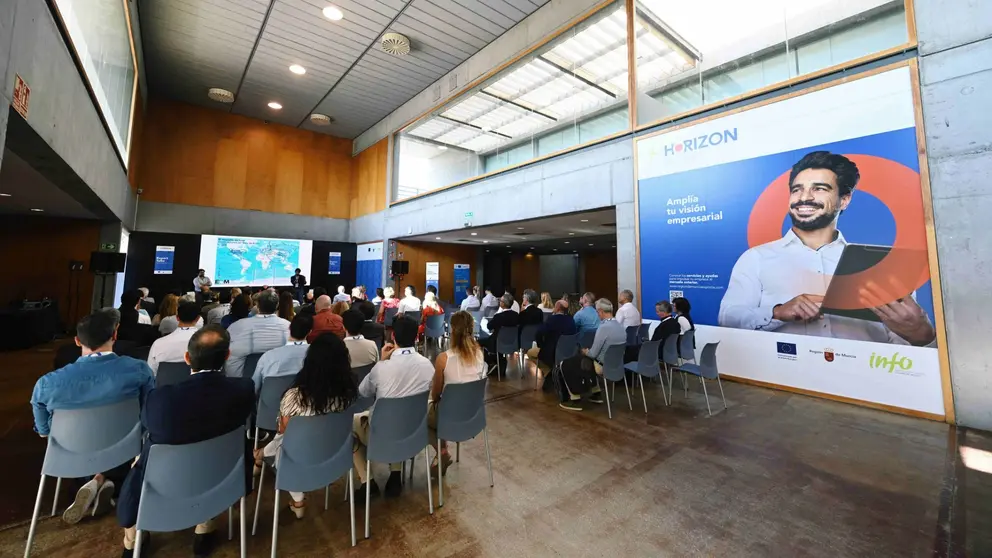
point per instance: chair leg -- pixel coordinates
(55, 498)
(244, 538)
(497, 367)
(440, 477)
(708, 410)
(670, 392)
(644, 398)
(627, 389)
(230, 523)
(661, 380)
(137, 544)
(34, 517)
(719, 383)
(275, 524)
(254, 447)
(327, 497)
(258, 500)
(351, 493)
(430, 489)
(489, 459)
(609, 410)
(368, 496)
(458, 452)
(412, 462)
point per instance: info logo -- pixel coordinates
(787, 351)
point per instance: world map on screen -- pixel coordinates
(248, 261)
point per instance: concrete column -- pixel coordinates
(626, 248)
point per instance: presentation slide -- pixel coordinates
(239, 261)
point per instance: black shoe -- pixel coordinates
(394, 485)
(204, 544)
(360, 493)
(595, 398)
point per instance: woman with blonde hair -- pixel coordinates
(461, 363)
(340, 307)
(546, 304)
(431, 308)
(389, 300)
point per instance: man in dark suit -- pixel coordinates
(370, 329)
(505, 316)
(531, 314)
(299, 282)
(207, 405)
(668, 326)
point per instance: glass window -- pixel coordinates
(692, 54)
(568, 92)
(98, 30)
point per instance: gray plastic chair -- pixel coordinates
(189, 484)
(461, 416)
(267, 418)
(397, 432)
(84, 442)
(434, 329)
(359, 372)
(687, 346)
(706, 370)
(586, 338)
(507, 343)
(528, 336)
(632, 338)
(567, 347)
(414, 315)
(315, 452)
(670, 358)
(388, 316)
(644, 332)
(171, 373)
(613, 371)
(251, 362)
(490, 311)
(647, 367)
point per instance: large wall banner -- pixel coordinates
(796, 232)
(369, 268)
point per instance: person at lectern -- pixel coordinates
(780, 285)
(299, 282)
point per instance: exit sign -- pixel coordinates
(108, 247)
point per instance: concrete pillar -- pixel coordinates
(626, 250)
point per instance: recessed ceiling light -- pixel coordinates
(475, 234)
(520, 228)
(556, 249)
(332, 13)
(485, 242)
(4, 195)
(437, 238)
(297, 69)
(507, 245)
(585, 220)
(443, 147)
(274, 105)
(531, 247)
(614, 245)
(575, 251)
(36, 209)
(571, 234)
(566, 242)
(220, 95)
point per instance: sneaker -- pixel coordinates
(84, 499)
(595, 397)
(445, 463)
(570, 406)
(394, 486)
(204, 544)
(104, 498)
(360, 492)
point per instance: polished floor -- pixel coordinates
(775, 475)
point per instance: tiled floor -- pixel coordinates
(775, 475)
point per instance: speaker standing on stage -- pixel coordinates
(201, 281)
(299, 282)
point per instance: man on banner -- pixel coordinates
(780, 286)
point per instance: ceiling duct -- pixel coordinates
(395, 44)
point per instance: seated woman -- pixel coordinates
(240, 308)
(287, 310)
(379, 295)
(389, 300)
(546, 304)
(431, 308)
(557, 324)
(461, 363)
(324, 385)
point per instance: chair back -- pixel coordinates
(188, 484)
(434, 326)
(586, 338)
(251, 362)
(507, 340)
(632, 338)
(687, 345)
(613, 369)
(647, 359)
(412, 315)
(644, 332)
(84, 442)
(461, 412)
(269, 398)
(316, 451)
(389, 316)
(670, 350)
(489, 311)
(171, 373)
(707, 361)
(528, 335)
(398, 428)
(546, 315)
(359, 372)
(567, 347)
(361, 404)
(140, 353)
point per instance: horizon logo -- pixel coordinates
(890, 363)
(701, 142)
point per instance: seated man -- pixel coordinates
(217, 313)
(325, 320)
(288, 359)
(587, 319)
(531, 314)
(257, 334)
(312, 297)
(211, 300)
(559, 323)
(172, 347)
(370, 329)
(204, 407)
(609, 333)
(668, 326)
(134, 325)
(362, 351)
(98, 378)
(402, 371)
(505, 316)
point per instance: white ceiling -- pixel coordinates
(247, 46)
(29, 189)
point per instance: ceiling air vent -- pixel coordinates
(220, 95)
(395, 44)
(320, 119)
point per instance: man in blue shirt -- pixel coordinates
(587, 319)
(98, 378)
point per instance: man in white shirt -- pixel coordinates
(288, 359)
(489, 301)
(627, 314)
(215, 315)
(341, 296)
(201, 280)
(361, 350)
(172, 347)
(401, 371)
(471, 302)
(409, 302)
(257, 334)
(779, 286)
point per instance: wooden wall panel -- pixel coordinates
(369, 179)
(601, 274)
(525, 273)
(199, 156)
(447, 255)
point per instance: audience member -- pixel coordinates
(323, 385)
(575, 371)
(587, 319)
(471, 302)
(363, 351)
(410, 302)
(627, 314)
(370, 330)
(489, 301)
(310, 309)
(682, 309)
(287, 310)
(99, 377)
(364, 295)
(515, 307)
(379, 295)
(530, 314)
(356, 295)
(235, 292)
(558, 323)
(172, 347)
(547, 305)
(216, 314)
(285, 360)
(668, 326)
(505, 316)
(401, 371)
(147, 302)
(389, 300)
(240, 309)
(256, 334)
(462, 362)
(431, 308)
(326, 321)
(340, 307)
(205, 406)
(135, 326)
(211, 300)
(169, 307)
(168, 324)
(341, 296)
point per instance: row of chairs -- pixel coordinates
(189, 484)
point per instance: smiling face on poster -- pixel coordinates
(796, 230)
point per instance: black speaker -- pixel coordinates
(107, 262)
(401, 267)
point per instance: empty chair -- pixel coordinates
(171, 373)
(315, 452)
(189, 484)
(646, 366)
(687, 346)
(644, 332)
(507, 343)
(267, 418)
(84, 442)
(389, 316)
(461, 416)
(613, 371)
(528, 335)
(632, 338)
(670, 358)
(434, 329)
(397, 432)
(706, 370)
(586, 338)
(359, 372)
(251, 362)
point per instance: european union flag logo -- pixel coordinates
(786, 348)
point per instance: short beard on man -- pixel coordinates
(821, 221)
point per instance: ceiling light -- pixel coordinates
(556, 249)
(443, 147)
(575, 251)
(4, 195)
(274, 105)
(475, 234)
(566, 242)
(320, 119)
(520, 228)
(485, 242)
(437, 238)
(36, 209)
(332, 13)
(220, 95)
(585, 220)
(531, 247)
(571, 234)
(297, 69)
(614, 245)
(507, 245)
